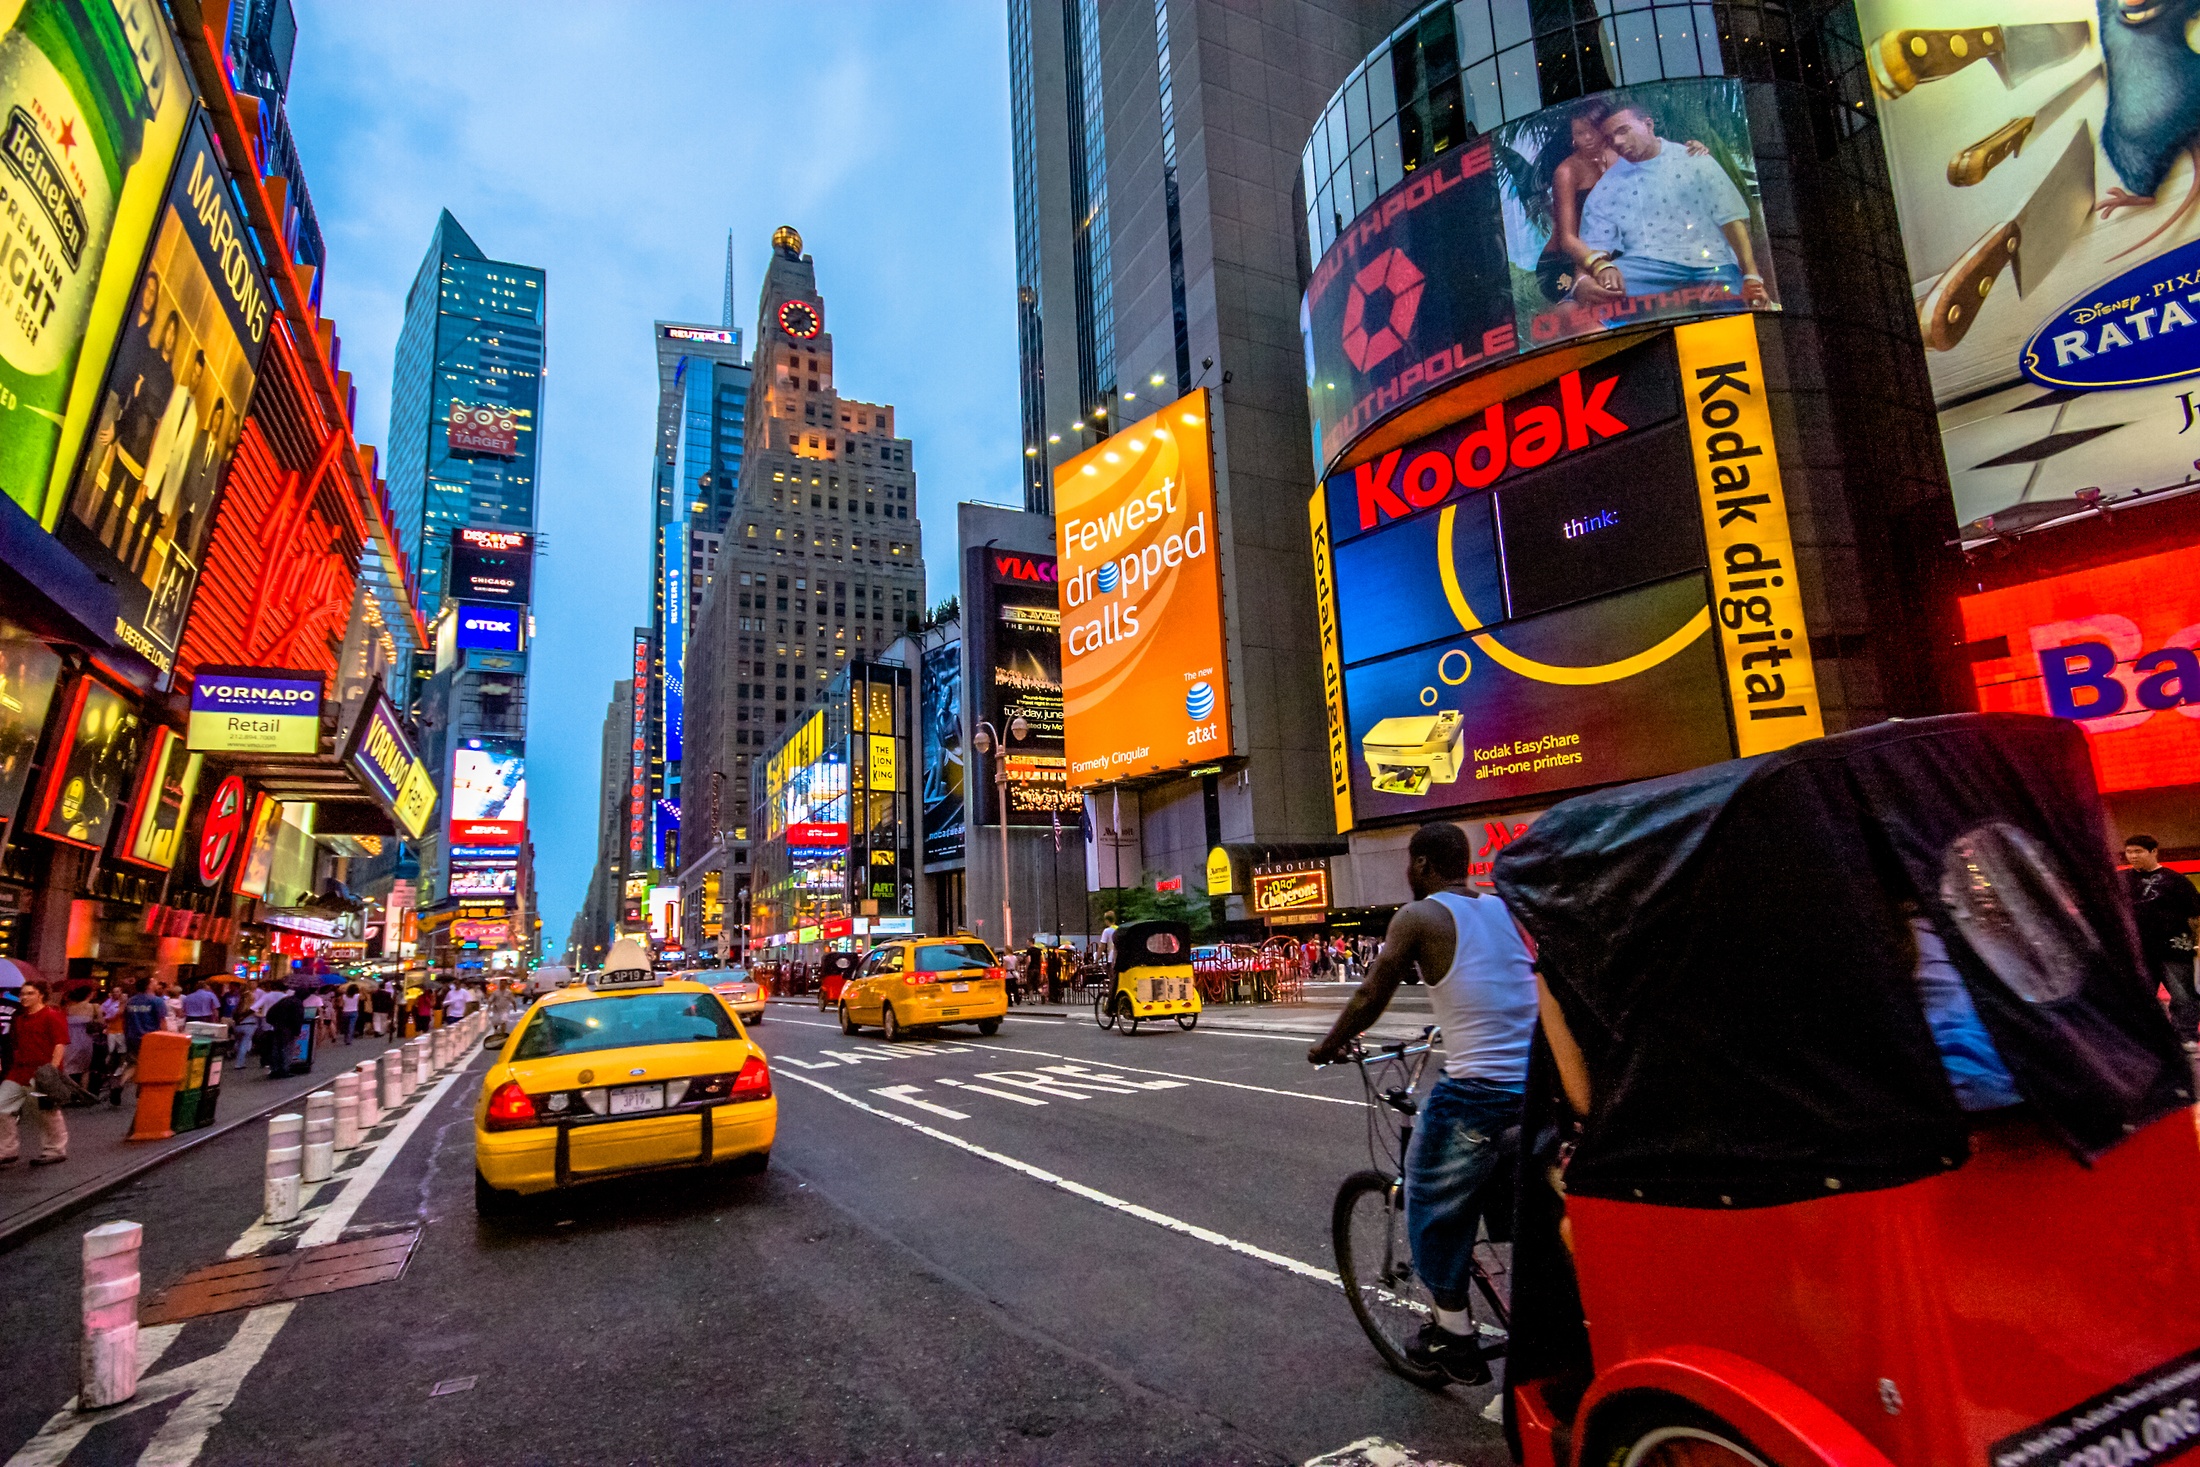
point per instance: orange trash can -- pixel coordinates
(164, 1060)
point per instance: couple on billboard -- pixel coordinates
(1629, 214)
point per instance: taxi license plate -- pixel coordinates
(629, 1099)
(958, 988)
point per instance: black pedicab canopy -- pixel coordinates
(1731, 948)
(1152, 945)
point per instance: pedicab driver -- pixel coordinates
(1481, 985)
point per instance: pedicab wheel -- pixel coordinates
(1671, 1433)
(1187, 1021)
(823, 1003)
(1103, 1010)
(989, 1027)
(847, 1024)
(1126, 1017)
(1367, 1228)
(892, 1026)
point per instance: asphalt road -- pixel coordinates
(1055, 1245)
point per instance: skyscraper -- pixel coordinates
(472, 342)
(702, 409)
(1156, 145)
(820, 562)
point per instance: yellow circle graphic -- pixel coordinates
(1547, 672)
(1465, 667)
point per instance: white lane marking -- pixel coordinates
(183, 1435)
(1090, 1194)
(212, 1382)
(59, 1436)
(333, 1222)
(1082, 1076)
(1172, 1075)
(1373, 1451)
(907, 1095)
(996, 1094)
(1033, 1080)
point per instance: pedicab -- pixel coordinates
(833, 970)
(1857, 1136)
(1153, 978)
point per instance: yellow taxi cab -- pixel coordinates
(630, 1072)
(919, 982)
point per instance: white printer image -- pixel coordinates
(1407, 755)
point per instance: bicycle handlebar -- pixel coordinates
(1359, 1054)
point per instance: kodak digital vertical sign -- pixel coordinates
(1145, 681)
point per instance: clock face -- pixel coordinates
(800, 320)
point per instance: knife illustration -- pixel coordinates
(2029, 245)
(1902, 61)
(1982, 157)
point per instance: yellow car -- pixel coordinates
(632, 1072)
(918, 982)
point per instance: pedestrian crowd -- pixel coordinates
(73, 1044)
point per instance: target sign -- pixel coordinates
(481, 429)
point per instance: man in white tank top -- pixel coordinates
(1481, 984)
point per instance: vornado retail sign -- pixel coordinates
(255, 710)
(1145, 684)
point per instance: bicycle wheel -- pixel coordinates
(1103, 1009)
(1367, 1227)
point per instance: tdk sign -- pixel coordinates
(489, 628)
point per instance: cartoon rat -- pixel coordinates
(2153, 100)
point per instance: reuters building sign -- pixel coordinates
(1145, 685)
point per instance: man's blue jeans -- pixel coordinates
(1454, 1152)
(1645, 276)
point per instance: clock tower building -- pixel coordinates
(821, 560)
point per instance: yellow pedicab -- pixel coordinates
(1153, 978)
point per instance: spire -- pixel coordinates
(452, 239)
(727, 321)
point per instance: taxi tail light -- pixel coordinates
(510, 1108)
(995, 975)
(755, 1080)
(915, 978)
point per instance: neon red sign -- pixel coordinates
(2113, 649)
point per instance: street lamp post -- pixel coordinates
(986, 740)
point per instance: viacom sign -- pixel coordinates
(489, 628)
(2114, 649)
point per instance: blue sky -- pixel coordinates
(614, 145)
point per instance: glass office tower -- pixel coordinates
(472, 344)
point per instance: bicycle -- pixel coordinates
(1367, 1224)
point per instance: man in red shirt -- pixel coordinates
(41, 1038)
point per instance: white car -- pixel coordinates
(742, 993)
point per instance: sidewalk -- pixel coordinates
(101, 1159)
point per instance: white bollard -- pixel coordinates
(108, 1365)
(439, 1043)
(346, 1086)
(285, 1154)
(320, 1157)
(368, 1080)
(423, 1062)
(389, 1069)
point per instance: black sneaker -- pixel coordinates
(1457, 1356)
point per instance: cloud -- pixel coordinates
(614, 146)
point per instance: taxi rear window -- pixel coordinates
(947, 957)
(615, 1023)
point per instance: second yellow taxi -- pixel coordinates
(631, 1072)
(920, 982)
